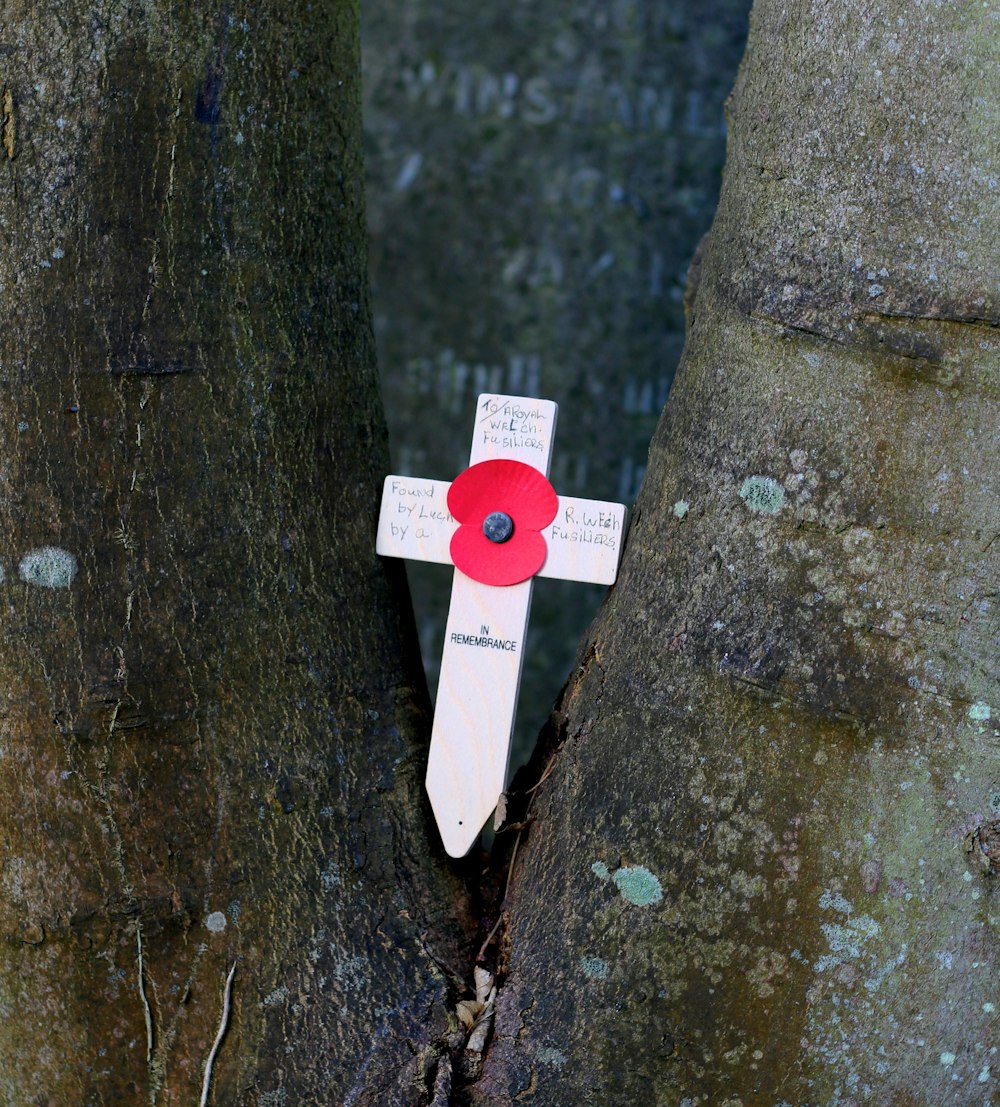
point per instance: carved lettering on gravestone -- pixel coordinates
(537, 184)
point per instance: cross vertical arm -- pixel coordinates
(484, 648)
(484, 636)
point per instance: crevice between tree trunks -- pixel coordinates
(495, 879)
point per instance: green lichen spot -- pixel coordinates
(594, 967)
(638, 885)
(48, 567)
(600, 870)
(762, 495)
(980, 712)
(277, 1098)
(681, 508)
(846, 940)
(550, 1056)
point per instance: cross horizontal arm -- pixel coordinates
(584, 540)
(414, 521)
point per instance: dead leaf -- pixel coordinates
(467, 1011)
(484, 983)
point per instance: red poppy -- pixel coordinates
(502, 506)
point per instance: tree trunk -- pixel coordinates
(763, 869)
(211, 719)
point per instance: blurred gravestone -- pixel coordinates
(538, 178)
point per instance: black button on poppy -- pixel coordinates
(498, 526)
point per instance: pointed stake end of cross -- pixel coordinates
(459, 823)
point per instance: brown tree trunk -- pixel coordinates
(210, 725)
(764, 866)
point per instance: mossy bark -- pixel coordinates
(763, 868)
(211, 720)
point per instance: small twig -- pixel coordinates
(490, 937)
(549, 769)
(520, 827)
(454, 974)
(223, 1024)
(147, 1012)
(496, 925)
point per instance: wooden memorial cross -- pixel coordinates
(499, 523)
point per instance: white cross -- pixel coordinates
(484, 637)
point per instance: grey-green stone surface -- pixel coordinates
(538, 179)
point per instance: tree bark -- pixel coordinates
(763, 866)
(211, 716)
(763, 869)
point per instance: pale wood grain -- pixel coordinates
(478, 685)
(476, 702)
(584, 541)
(484, 637)
(414, 521)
